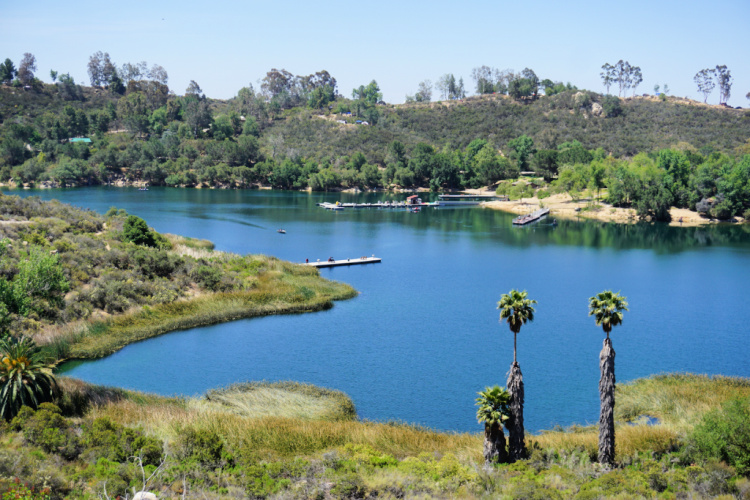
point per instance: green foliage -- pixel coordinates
(723, 435)
(493, 405)
(607, 308)
(137, 231)
(612, 107)
(25, 377)
(104, 438)
(516, 309)
(201, 446)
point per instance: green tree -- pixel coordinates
(133, 110)
(137, 231)
(724, 79)
(7, 71)
(26, 378)
(607, 308)
(608, 75)
(493, 412)
(516, 309)
(523, 148)
(40, 283)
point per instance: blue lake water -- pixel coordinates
(423, 336)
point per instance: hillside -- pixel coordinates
(646, 124)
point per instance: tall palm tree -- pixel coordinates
(25, 377)
(607, 308)
(493, 412)
(516, 309)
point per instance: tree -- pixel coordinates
(26, 378)
(133, 109)
(607, 308)
(7, 71)
(622, 76)
(26, 69)
(449, 88)
(193, 89)
(53, 75)
(424, 91)
(524, 87)
(522, 147)
(158, 74)
(608, 75)
(635, 77)
(137, 231)
(370, 95)
(516, 309)
(493, 412)
(724, 78)
(705, 81)
(484, 78)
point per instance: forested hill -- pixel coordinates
(640, 124)
(67, 134)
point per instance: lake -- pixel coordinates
(423, 335)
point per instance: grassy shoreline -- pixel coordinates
(101, 338)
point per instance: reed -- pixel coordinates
(281, 433)
(678, 400)
(281, 288)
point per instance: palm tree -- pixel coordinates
(25, 377)
(607, 307)
(493, 412)
(516, 309)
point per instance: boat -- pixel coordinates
(282, 231)
(144, 188)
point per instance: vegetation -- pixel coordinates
(98, 437)
(607, 308)
(84, 285)
(290, 135)
(493, 412)
(516, 309)
(25, 377)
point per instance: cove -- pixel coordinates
(423, 336)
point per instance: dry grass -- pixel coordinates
(273, 437)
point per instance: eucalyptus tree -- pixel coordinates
(704, 79)
(608, 75)
(723, 77)
(493, 412)
(516, 309)
(607, 308)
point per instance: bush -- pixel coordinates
(723, 435)
(202, 446)
(136, 230)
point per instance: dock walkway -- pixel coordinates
(529, 218)
(347, 262)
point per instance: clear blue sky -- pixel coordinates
(225, 45)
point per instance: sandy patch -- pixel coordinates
(563, 206)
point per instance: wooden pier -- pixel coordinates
(529, 218)
(379, 205)
(348, 262)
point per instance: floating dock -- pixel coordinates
(529, 218)
(347, 262)
(379, 204)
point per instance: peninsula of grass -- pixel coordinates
(109, 280)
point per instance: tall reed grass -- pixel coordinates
(278, 288)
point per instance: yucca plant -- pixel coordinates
(606, 308)
(26, 378)
(516, 309)
(493, 412)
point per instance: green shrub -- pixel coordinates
(104, 438)
(723, 435)
(202, 446)
(137, 231)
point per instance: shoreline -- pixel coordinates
(561, 205)
(564, 207)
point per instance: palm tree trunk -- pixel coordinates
(494, 445)
(607, 411)
(516, 444)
